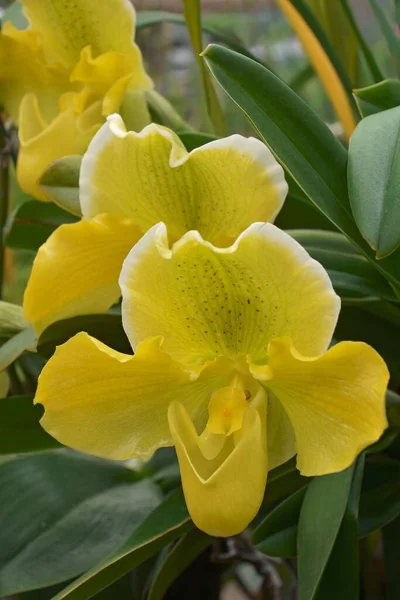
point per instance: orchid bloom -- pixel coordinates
(129, 182)
(59, 79)
(231, 366)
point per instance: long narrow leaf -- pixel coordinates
(193, 21)
(304, 145)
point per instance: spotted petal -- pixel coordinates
(335, 402)
(76, 271)
(218, 189)
(115, 405)
(207, 301)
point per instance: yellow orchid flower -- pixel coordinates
(130, 181)
(61, 77)
(230, 366)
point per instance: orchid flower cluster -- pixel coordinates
(230, 320)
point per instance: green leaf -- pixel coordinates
(32, 222)
(60, 181)
(387, 31)
(393, 408)
(62, 513)
(164, 525)
(391, 552)
(193, 21)
(352, 275)
(19, 427)
(11, 319)
(380, 494)
(192, 140)
(107, 328)
(374, 180)
(180, 556)
(15, 346)
(321, 515)
(304, 145)
(342, 573)
(378, 97)
(368, 55)
(276, 535)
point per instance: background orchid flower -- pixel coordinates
(63, 75)
(130, 181)
(231, 366)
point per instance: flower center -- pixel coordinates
(226, 408)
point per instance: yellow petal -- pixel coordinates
(218, 189)
(223, 494)
(23, 69)
(335, 402)
(67, 28)
(207, 301)
(115, 405)
(102, 72)
(76, 271)
(4, 384)
(322, 65)
(67, 134)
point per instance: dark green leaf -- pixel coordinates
(393, 408)
(60, 181)
(192, 140)
(32, 222)
(321, 515)
(341, 576)
(15, 346)
(19, 427)
(304, 145)
(391, 551)
(180, 556)
(276, 535)
(164, 525)
(62, 513)
(380, 495)
(352, 275)
(374, 180)
(107, 328)
(378, 97)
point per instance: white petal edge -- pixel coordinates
(115, 127)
